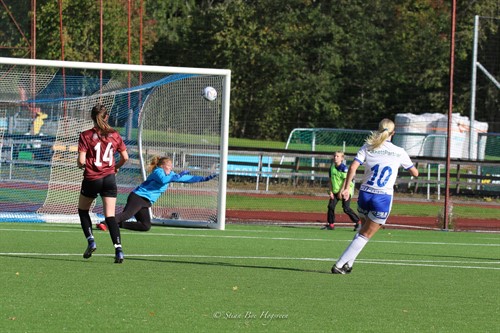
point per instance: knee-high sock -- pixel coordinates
(352, 251)
(86, 223)
(114, 231)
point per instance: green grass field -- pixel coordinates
(312, 204)
(247, 279)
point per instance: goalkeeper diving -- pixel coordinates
(145, 195)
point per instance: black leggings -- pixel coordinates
(346, 206)
(136, 206)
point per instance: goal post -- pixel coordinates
(158, 110)
(485, 61)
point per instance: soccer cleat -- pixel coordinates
(119, 256)
(102, 226)
(90, 249)
(329, 226)
(357, 226)
(336, 270)
(344, 270)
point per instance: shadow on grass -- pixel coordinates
(55, 258)
(168, 261)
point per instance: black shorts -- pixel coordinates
(105, 187)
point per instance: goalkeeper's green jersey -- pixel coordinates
(337, 175)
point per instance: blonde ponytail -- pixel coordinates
(157, 161)
(385, 131)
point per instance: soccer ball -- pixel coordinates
(209, 93)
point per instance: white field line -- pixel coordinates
(420, 263)
(263, 238)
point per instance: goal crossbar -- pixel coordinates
(159, 110)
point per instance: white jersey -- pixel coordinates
(381, 167)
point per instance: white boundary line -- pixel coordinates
(419, 263)
(225, 236)
(464, 264)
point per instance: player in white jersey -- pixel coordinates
(381, 159)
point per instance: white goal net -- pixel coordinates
(159, 111)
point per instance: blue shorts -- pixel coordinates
(376, 207)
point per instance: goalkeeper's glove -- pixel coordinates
(210, 177)
(183, 173)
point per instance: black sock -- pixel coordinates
(114, 230)
(86, 223)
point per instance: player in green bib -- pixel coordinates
(337, 175)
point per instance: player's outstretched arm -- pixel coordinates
(207, 178)
(187, 178)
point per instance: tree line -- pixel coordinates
(294, 63)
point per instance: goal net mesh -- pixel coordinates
(44, 109)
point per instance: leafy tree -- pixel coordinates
(487, 94)
(320, 63)
(81, 31)
(294, 63)
(406, 57)
(15, 26)
(283, 60)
